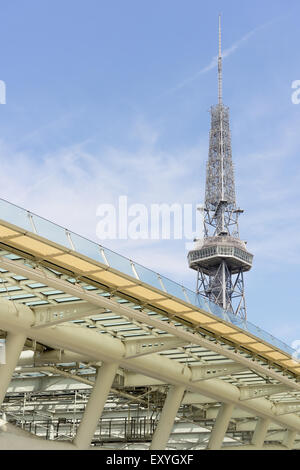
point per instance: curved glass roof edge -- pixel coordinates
(38, 225)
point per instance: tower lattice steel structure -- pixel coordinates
(221, 258)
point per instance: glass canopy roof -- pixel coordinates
(73, 242)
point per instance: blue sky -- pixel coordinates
(109, 98)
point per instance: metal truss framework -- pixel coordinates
(92, 368)
(220, 278)
(211, 286)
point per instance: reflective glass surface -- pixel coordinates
(21, 218)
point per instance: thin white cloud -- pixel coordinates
(214, 61)
(269, 184)
(68, 185)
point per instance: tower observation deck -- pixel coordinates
(221, 258)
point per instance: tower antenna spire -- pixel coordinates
(221, 258)
(220, 64)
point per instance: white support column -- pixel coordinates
(95, 405)
(289, 439)
(260, 432)
(13, 348)
(162, 432)
(220, 427)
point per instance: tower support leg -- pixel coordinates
(13, 348)
(167, 418)
(95, 405)
(220, 427)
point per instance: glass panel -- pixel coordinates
(226, 316)
(173, 288)
(237, 321)
(205, 303)
(267, 337)
(51, 231)
(148, 276)
(19, 217)
(216, 309)
(281, 345)
(192, 296)
(14, 215)
(119, 262)
(87, 248)
(252, 329)
(198, 300)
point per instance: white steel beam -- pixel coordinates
(50, 357)
(217, 369)
(94, 408)
(45, 383)
(54, 314)
(134, 379)
(220, 426)
(69, 384)
(289, 439)
(163, 430)
(196, 399)
(253, 391)
(203, 372)
(56, 371)
(250, 425)
(143, 346)
(260, 432)
(104, 348)
(237, 413)
(40, 275)
(14, 345)
(287, 408)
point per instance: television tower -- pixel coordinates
(221, 258)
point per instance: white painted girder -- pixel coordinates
(50, 357)
(220, 427)
(41, 275)
(250, 424)
(143, 346)
(260, 432)
(14, 345)
(253, 391)
(286, 408)
(237, 413)
(55, 314)
(289, 439)
(15, 317)
(95, 405)
(217, 369)
(167, 417)
(182, 431)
